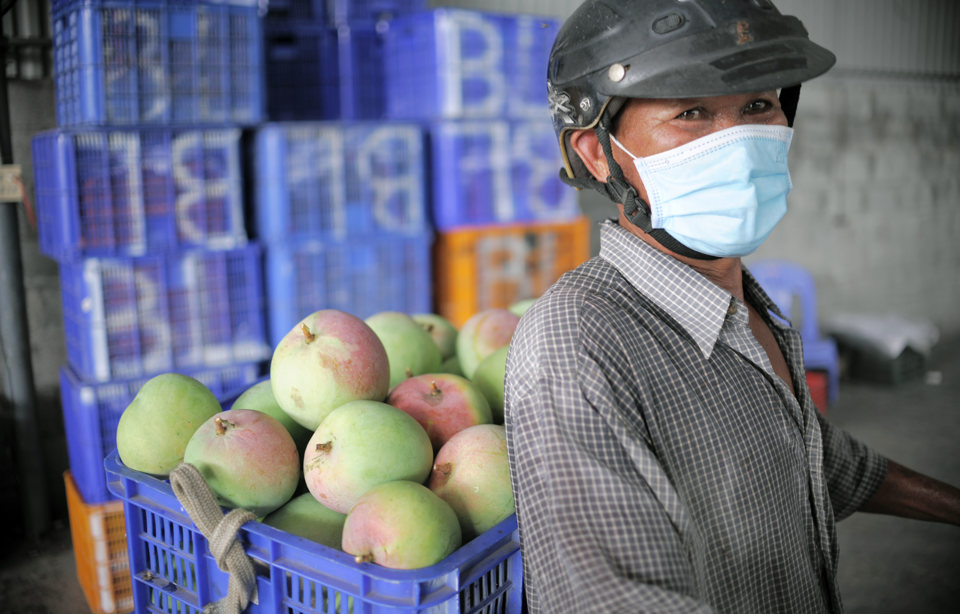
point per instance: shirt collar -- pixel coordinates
(697, 304)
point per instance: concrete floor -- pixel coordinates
(892, 565)
(887, 565)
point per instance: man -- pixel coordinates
(664, 450)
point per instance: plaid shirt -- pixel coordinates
(657, 462)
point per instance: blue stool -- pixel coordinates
(788, 284)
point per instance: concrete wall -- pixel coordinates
(875, 211)
(32, 110)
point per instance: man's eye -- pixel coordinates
(759, 106)
(691, 114)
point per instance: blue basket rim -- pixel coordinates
(461, 559)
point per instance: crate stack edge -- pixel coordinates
(140, 201)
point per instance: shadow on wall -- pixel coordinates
(53, 454)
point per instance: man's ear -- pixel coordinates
(586, 144)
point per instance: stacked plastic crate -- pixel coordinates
(506, 226)
(340, 194)
(140, 199)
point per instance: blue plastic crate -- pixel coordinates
(296, 12)
(528, 41)
(133, 191)
(173, 571)
(361, 277)
(295, 67)
(157, 63)
(460, 64)
(338, 12)
(315, 73)
(130, 317)
(91, 412)
(538, 192)
(58, 7)
(331, 180)
(370, 11)
(497, 172)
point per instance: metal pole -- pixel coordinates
(18, 384)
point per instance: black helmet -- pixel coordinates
(610, 50)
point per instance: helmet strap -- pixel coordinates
(617, 187)
(789, 98)
(635, 209)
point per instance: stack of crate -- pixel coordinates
(140, 200)
(343, 203)
(506, 226)
(339, 196)
(324, 58)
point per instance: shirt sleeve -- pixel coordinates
(598, 531)
(854, 471)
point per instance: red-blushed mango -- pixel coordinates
(482, 334)
(260, 397)
(306, 517)
(154, 428)
(361, 444)
(471, 474)
(247, 458)
(401, 525)
(329, 358)
(444, 404)
(410, 349)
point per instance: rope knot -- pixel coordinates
(221, 530)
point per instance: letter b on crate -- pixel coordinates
(318, 180)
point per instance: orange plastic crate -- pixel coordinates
(100, 550)
(483, 267)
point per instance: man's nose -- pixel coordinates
(730, 119)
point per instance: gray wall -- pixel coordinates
(875, 211)
(32, 110)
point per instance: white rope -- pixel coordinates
(198, 500)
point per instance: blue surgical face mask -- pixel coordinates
(721, 194)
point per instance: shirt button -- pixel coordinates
(732, 309)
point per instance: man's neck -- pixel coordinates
(724, 272)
